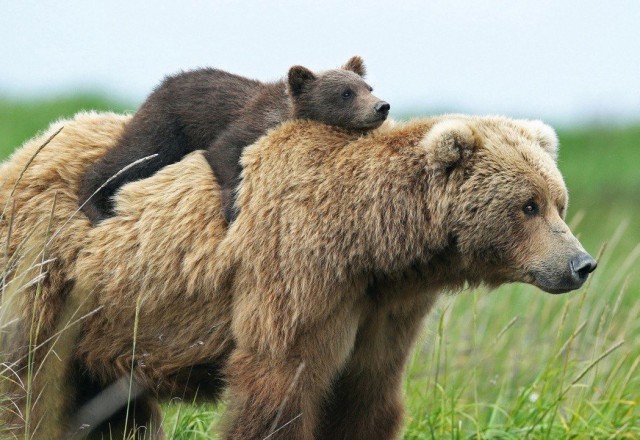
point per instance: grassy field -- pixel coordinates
(514, 362)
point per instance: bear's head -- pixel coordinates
(339, 97)
(507, 216)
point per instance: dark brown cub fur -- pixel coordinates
(223, 113)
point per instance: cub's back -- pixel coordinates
(199, 103)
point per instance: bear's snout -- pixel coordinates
(581, 266)
(566, 274)
(382, 107)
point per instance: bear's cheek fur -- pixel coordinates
(532, 249)
(486, 227)
(548, 253)
(323, 102)
(495, 238)
(508, 246)
(365, 111)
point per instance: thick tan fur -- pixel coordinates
(308, 306)
(32, 232)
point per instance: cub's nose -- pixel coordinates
(382, 107)
(581, 266)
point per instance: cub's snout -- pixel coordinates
(382, 107)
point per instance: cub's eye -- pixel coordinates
(531, 208)
(347, 94)
(370, 89)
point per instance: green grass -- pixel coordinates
(21, 119)
(515, 362)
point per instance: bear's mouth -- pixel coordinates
(555, 291)
(374, 123)
(543, 283)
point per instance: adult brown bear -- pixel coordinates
(307, 307)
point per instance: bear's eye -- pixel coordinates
(347, 94)
(370, 89)
(531, 208)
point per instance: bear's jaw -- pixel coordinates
(543, 284)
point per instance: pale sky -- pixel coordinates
(565, 61)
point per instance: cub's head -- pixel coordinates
(507, 218)
(338, 97)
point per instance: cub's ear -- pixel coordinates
(545, 135)
(299, 77)
(356, 65)
(448, 143)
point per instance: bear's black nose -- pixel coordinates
(582, 265)
(382, 107)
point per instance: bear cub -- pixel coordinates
(213, 110)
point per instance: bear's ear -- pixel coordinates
(448, 143)
(299, 77)
(356, 65)
(545, 135)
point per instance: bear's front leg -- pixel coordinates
(366, 401)
(279, 394)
